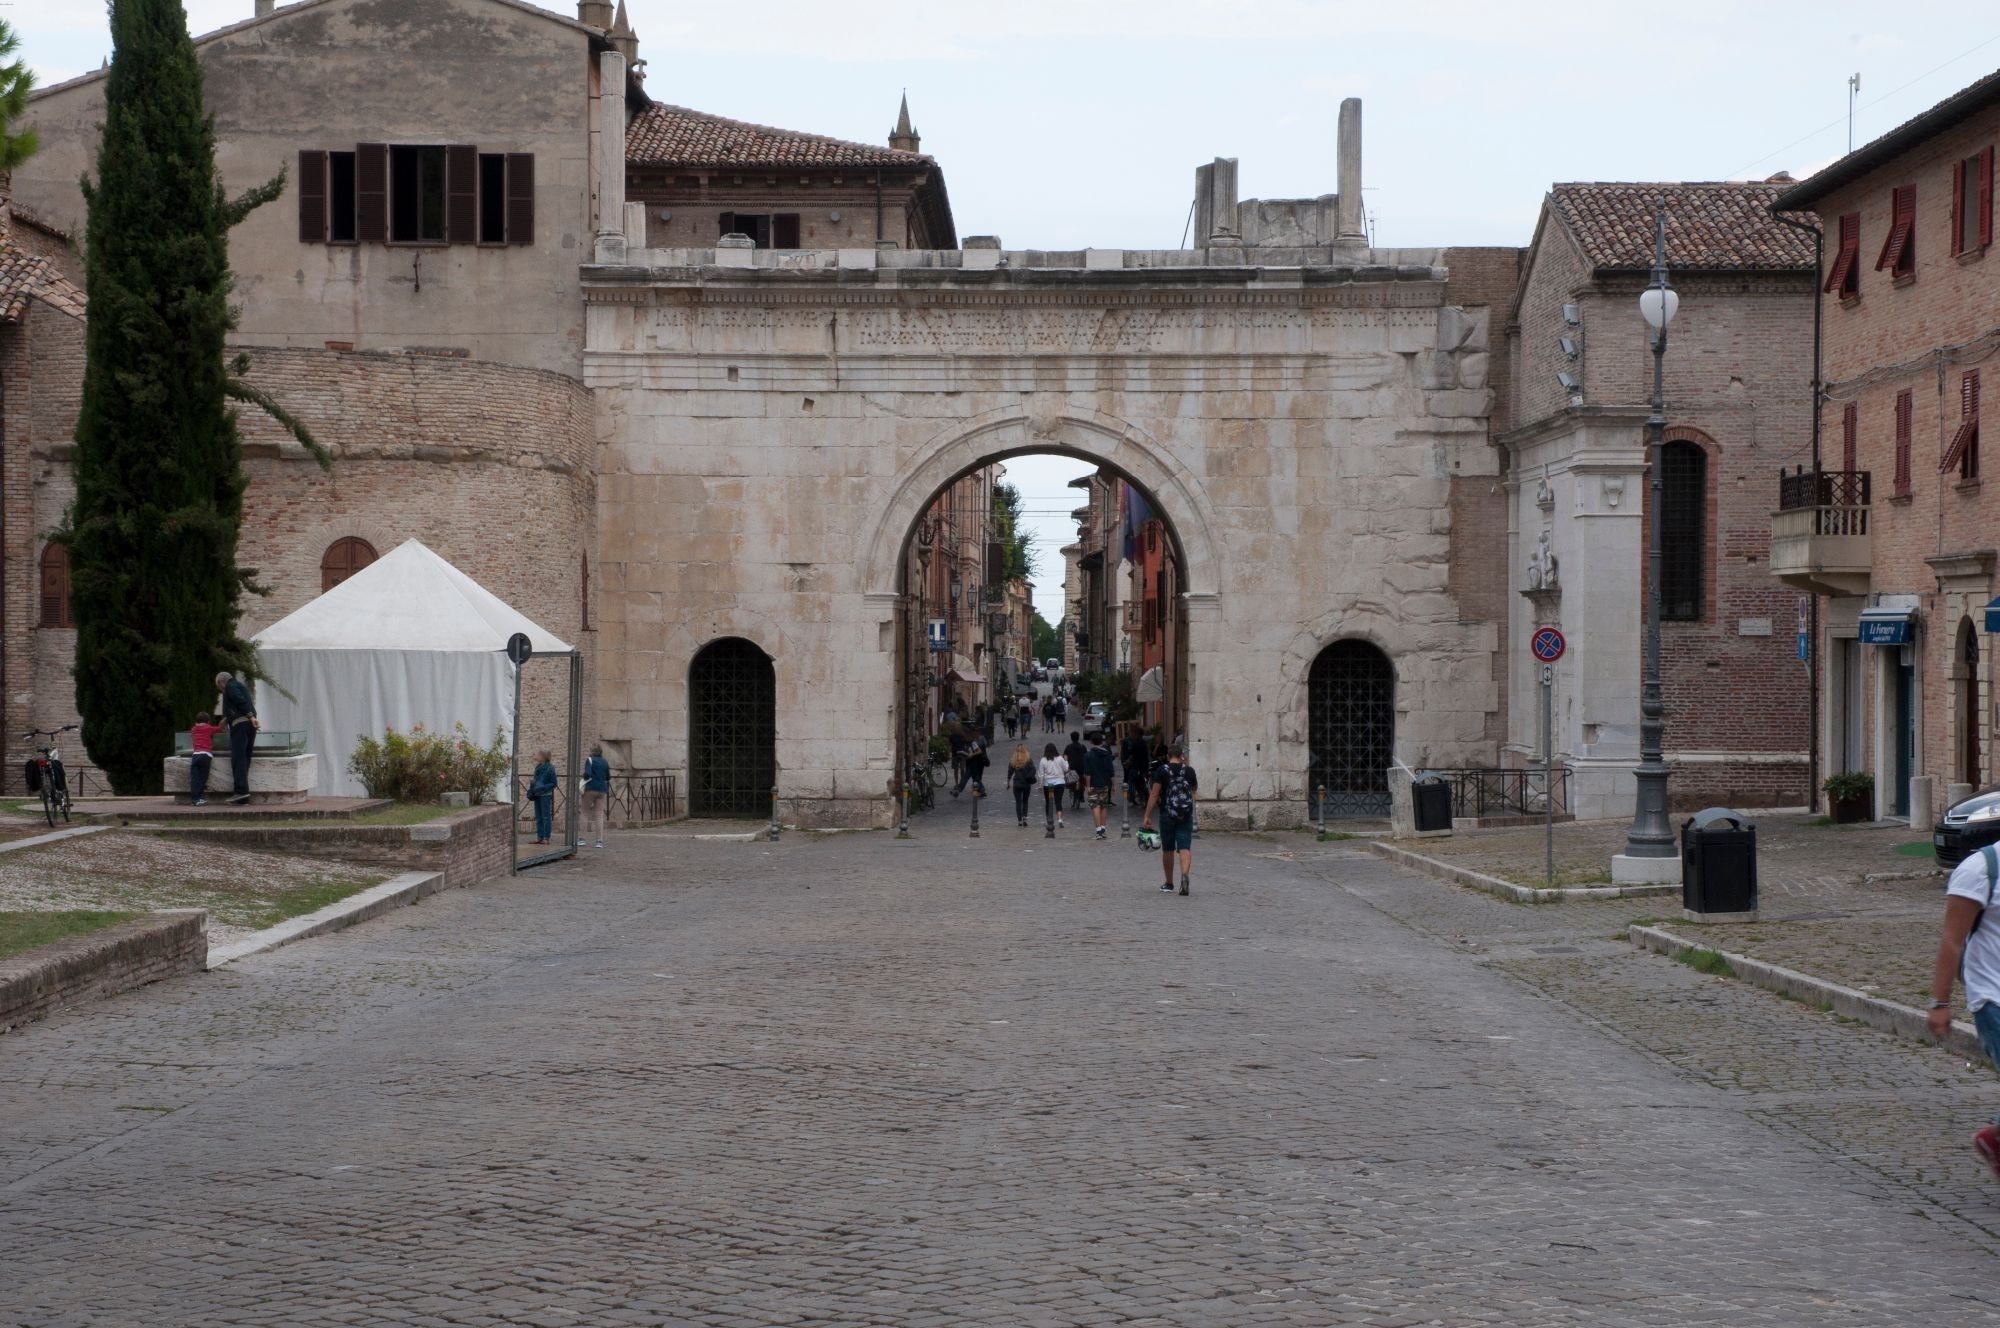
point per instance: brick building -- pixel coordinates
(1891, 523)
(1737, 408)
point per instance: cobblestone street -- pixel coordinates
(848, 1080)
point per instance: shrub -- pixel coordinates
(1848, 784)
(421, 766)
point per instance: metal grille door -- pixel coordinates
(1351, 728)
(733, 731)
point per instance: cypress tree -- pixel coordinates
(152, 535)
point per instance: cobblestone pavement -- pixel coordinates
(850, 1080)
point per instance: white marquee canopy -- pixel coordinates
(407, 640)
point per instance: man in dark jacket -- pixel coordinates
(239, 717)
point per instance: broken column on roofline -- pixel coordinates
(1332, 221)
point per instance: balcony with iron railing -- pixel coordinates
(1819, 534)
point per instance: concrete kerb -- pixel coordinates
(53, 837)
(395, 892)
(1887, 1016)
(1520, 894)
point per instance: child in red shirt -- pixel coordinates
(201, 741)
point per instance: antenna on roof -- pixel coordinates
(1853, 91)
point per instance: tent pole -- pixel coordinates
(513, 786)
(574, 819)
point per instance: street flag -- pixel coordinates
(1137, 514)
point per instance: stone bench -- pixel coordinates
(272, 778)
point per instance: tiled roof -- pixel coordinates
(1967, 101)
(25, 276)
(1713, 227)
(663, 135)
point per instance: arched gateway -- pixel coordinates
(772, 425)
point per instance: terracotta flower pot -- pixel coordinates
(1846, 811)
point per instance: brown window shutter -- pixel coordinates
(1985, 197)
(520, 198)
(461, 175)
(1848, 254)
(1903, 400)
(1850, 443)
(728, 224)
(785, 231)
(312, 198)
(371, 193)
(55, 587)
(1957, 207)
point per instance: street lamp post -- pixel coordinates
(1649, 846)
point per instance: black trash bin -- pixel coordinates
(1719, 862)
(1431, 799)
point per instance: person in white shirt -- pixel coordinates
(1052, 773)
(1969, 950)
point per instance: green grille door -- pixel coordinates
(733, 731)
(1351, 728)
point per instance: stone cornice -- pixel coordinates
(1973, 567)
(1568, 418)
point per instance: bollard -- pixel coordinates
(903, 830)
(1322, 811)
(1125, 814)
(774, 815)
(977, 794)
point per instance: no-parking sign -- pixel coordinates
(1548, 645)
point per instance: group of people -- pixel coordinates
(239, 729)
(1020, 717)
(596, 795)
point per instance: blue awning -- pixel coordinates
(1888, 627)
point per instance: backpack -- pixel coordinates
(1992, 857)
(1177, 798)
(31, 774)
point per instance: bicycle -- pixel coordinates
(923, 786)
(47, 776)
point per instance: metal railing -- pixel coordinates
(1824, 488)
(638, 797)
(1507, 792)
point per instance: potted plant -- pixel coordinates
(1850, 796)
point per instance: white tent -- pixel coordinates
(408, 640)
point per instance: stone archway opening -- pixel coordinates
(1968, 767)
(1034, 572)
(1351, 729)
(733, 730)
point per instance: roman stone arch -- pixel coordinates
(1014, 430)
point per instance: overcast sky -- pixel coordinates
(1065, 123)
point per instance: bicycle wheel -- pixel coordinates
(48, 800)
(62, 797)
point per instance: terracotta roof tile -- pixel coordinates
(1715, 227)
(25, 276)
(665, 135)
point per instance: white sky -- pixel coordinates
(1065, 123)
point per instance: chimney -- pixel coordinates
(264, 7)
(594, 14)
(902, 137)
(1349, 205)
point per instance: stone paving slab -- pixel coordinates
(850, 1081)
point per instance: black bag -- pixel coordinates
(31, 773)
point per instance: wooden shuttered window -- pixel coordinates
(342, 559)
(55, 587)
(727, 223)
(1983, 197)
(312, 198)
(785, 230)
(461, 174)
(1904, 409)
(1963, 451)
(371, 193)
(1850, 440)
(1972, 202)
(520, 198)
(1899, 250)
(1844, 280)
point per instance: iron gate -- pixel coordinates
(732, 731)
(1351, 728)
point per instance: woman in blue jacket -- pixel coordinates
(542, 792)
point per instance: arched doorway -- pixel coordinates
(1351, 728)
(732, 730)
(1965, 704)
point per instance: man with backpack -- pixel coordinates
(1098, 773)
(1969, 951)
(1173, 794)
(1074, 754)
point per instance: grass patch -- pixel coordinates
(22, 932)
(298, 900)
(1917, 848)
(1706, 961)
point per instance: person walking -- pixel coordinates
(1173, 792)
(975, 769)
(1132, 754)
(1021, 778)
(240, 718)
(201, 756)
(1969, 951)
(1073, 754)
(1052, 773)
(1048, 714)
(1013, 717)
(542, 792)
(1027, 714)
(954, 737)
(1099, 771)
(596, 794)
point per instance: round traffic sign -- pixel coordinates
(1548, 645)
(520, 649)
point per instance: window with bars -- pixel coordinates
(1683, 529)
(55, 587)
(1899, 250)
(342, 559)
(1972, 202)
(1844, 279)
(1963, 450)
(1904, 409)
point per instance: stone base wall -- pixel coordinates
(464, 848)
(104, 963)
